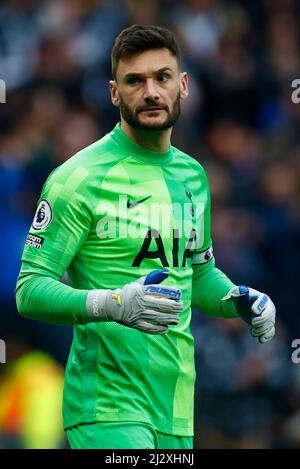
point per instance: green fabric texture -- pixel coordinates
(123, 435)
(210, 286)
(48, 300)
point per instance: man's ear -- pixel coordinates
(114, 93)
(184, 85)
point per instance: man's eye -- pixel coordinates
(133, 81)
(163, 77)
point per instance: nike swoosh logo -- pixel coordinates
(134, 204)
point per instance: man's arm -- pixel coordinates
(60, 228)
(143, 304)
(210, 286)
(44, 298)
(216, 295)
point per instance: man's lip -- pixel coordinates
(153, 109)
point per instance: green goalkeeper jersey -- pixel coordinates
(110, 214)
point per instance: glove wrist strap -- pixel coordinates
(96, 305)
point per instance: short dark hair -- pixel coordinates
(138, 38)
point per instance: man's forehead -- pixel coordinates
(148, 62)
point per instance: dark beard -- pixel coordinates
(132, 117)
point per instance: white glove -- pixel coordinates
(147, 307)
(255, 308)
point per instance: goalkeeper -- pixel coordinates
(129, 219)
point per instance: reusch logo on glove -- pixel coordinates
(175, 294)
(261, 305)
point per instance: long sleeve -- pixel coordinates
(210, 285)
(60, 227)
(46, 299)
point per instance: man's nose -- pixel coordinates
(151, 90)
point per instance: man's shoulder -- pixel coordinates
(189, 160)
(101, 152)
(92, 161)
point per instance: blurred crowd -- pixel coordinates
(239, 122)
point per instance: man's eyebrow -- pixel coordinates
(136, 74)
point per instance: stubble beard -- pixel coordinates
(132, 117)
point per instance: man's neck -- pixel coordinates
(156, 140)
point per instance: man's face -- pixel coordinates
(148, 89)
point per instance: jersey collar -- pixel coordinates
(137, 151)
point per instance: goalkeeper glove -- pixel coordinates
(256, 309)
(142, 305)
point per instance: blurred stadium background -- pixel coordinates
(239, 122)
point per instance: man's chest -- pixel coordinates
(144, 215)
